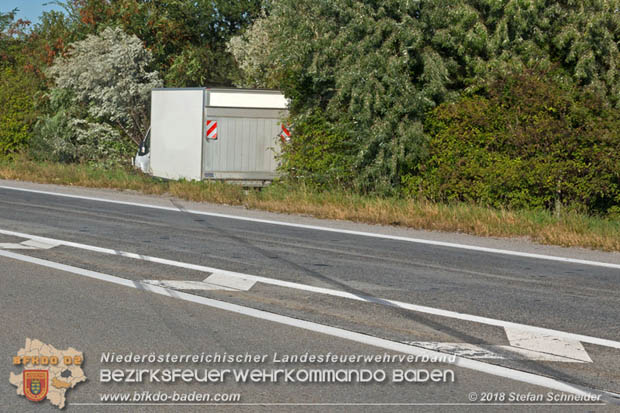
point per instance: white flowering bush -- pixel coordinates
(100, 102)
(109, 75)
(253, 53)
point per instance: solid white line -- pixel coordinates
(341, 231)
(327, 330)
(330, 292)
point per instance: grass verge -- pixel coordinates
(570, 229)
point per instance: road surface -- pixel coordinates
(103, 271)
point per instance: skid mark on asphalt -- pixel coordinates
(331, 292)
(180, 208)
(462, 362)
(524, 345)
(520, 349)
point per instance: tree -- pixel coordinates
(17, 89)
(109, 75)
(376, 68)
(186, 38)
(253, 52)
(6, 20)
(17, 86)
(100, 101)
(12, 36)
(49, 38)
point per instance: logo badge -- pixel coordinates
(47, 373)
(36, 384)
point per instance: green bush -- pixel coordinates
(54, 139)
(531, 141)
(16, 110)
(317, 155)
(68, 135)
(376, 67)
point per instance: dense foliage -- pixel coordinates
(187, 38)
(109, 75)
(183, 41)
(69, 134)
(422, 97)
(17, 88)
(101, 95)
(318, 156)
(16, 110)
(531, 142)
(375, 68)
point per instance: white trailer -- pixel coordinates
(216, 133)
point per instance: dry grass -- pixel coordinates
(570, 229)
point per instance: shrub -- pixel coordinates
(54, 139)
(67, 135)
(317, 155)
(532, 141)
(376, 67)
(16, 110)
(109, 75)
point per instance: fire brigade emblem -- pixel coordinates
(35, 384)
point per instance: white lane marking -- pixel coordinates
(41, 245)
(214, 282)
(186, 285)
(341, 231)
(545, 343)
(13, 246)
(334, 293)
(29, 245)
(491, 352)
(232, 283)
(512, 374)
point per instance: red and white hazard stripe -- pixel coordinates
(211, 129)
(285, 135)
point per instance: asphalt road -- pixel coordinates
(66, 310)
